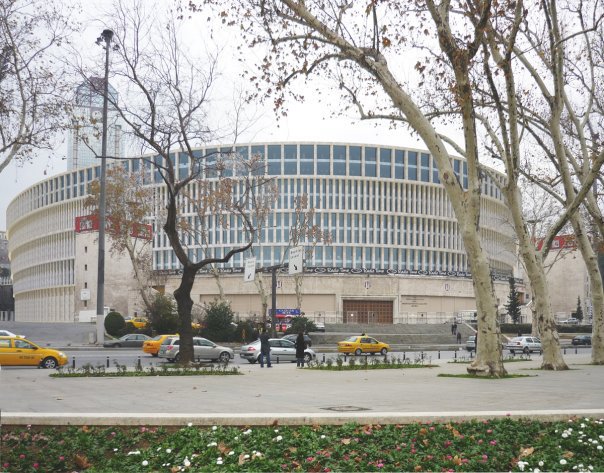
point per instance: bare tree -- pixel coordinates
(560, 109)
(363, 45)
(168, 112)
(34, 93)
(129, 205)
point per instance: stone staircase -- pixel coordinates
(397, 334)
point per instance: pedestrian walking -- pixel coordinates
(300, 347)
(459, 338)
(265, 349)
(453, 329)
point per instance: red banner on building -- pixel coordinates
(90, 223)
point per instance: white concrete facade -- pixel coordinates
(389, 216)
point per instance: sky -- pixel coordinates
(308, 121)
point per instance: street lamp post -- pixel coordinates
(106, 37)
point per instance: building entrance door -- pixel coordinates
(367, 311)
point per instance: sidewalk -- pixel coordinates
(289, 395)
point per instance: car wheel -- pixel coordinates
(177, 358)
(384, 351)
(49, 363)
(224, 357)
(170, 360)
(154, 354)
(252, 361)
(526, 350)
(117, 345)
(307, 358)
(358, 352)
(513, 352)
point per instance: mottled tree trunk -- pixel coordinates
(597, 290)
(184, 304)
(543, 315)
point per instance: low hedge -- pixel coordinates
(526, 329)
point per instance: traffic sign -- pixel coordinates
(296, 259)
(250, 270)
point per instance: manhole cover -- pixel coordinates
(345, 408)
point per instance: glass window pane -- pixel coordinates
(399, 164)
(385, 162)
(323, 158)
(425, 161)
(354, 165)
(259, 165)
(339, 160)
(412, 166)
(307, 157)
(274, 160)
(370, 162)
(291, 159)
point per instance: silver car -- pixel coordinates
(203, 349)
(524, 345)
(280, 348)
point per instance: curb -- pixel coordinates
(265, 419)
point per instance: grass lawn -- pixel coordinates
(494, 445)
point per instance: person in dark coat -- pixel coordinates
(265, 349)
(300, 347)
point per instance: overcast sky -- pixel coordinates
(309, 121)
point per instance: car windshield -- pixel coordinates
(157, 337)
(169, 341)
(351, 339)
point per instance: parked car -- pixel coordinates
(280, 348)
(152, 346)
(129, 340)
(471, 343)
(7, 333)
(570, 321)
(582, 340)
(293, 336)
(320, 326)
(362, 344)
(524, 345)
(203, 349)
(138, 322)
(17, 351)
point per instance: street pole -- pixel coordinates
(273, 300)
(106, 36)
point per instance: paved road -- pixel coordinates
(298, 396)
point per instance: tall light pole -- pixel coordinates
(106, 37)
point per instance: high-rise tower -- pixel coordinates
(85, 137)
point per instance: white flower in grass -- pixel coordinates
(278, 438)
(145, 463)
(214, 427)
(236, 438)
(564, 435)
(115, 449)
(582, 425)
(247, 432)
(190, 424)
(521, 465)
(231, 452)
(187, 462)
(599, 447)
(135, 452)
(168, 450)
(541, 463)
(212, 444)
(322, 436)
(246, 456)
(536, 470)
(276, 431)
(219, 462)
(563, 462)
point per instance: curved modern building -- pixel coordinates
(396, 255)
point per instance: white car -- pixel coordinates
(203, 349)
(6, 333)
(524, 344)
(571, 321)
(281, 348)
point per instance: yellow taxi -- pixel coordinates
(362, 344)
(16, 351)
(196, 325)
(152, 346)
(138, 322)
